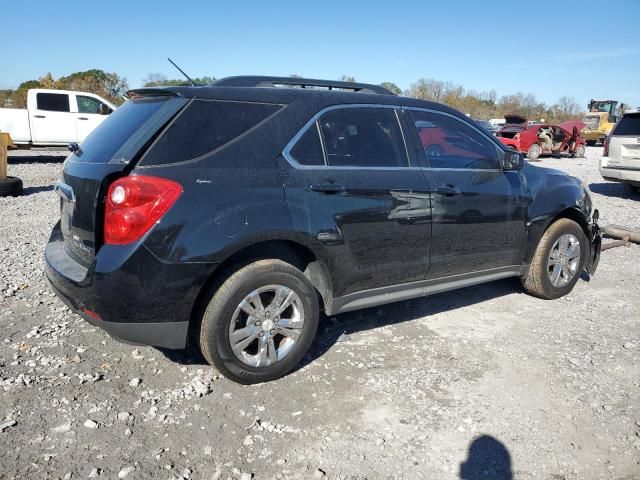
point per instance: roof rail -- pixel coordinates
(264, 81)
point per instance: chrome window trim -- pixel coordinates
(286, 153)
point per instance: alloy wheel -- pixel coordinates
(266, 325)
(564, 260)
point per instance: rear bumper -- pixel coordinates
(630, 175)
(128, 292)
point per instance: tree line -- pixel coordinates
(480, 105)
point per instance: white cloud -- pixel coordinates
(586, 55)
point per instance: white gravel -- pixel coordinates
(481, 382)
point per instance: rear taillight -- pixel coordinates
(605, 144)
(134, 205)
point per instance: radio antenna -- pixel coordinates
(182, 72)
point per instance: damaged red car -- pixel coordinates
(542, 139)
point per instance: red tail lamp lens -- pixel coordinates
(135, 204)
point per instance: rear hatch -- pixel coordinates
(109, 152)
(514, 125)
(624, 145)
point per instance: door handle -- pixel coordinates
(83, 118)
(448, 190)
(328, 188)
(40, 116)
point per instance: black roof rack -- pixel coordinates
(263, 81)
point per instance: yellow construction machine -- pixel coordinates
(602, 115)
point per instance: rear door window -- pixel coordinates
(450, 143)
(629, 125)
(308, 149)
(363, 137)
(53, 102)
(205, 126)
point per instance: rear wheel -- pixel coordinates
(591, 143)
(534, 152)
(260, 322)
(558, 261)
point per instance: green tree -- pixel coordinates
(392, 87)
(108, 85)
(160, 80)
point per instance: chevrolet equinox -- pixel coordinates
(232, 214)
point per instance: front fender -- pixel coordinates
(554, 195)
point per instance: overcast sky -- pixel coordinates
(585, 49)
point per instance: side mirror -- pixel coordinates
(512, 160)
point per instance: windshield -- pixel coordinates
(127, 129)
(591, 122)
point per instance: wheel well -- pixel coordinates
(572, 214)
(288, 251)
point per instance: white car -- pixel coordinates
(621, 157)
(54, 117)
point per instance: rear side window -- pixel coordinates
(308, 149)
(629, 125)
(53, 102)
(451, 143)
(205, 126)
(363, 137)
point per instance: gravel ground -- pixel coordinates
(485, 382)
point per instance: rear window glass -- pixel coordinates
(53, 102)
(629, 125)
(125, 123)
(205, 126)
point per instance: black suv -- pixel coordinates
(232, 214)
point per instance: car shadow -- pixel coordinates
(52, 157)
(612, 189)
(32, 190)
(338, 328)
(487, 457)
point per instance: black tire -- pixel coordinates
(215, 343)
(10, 187)
(591, 143)
(538, 282)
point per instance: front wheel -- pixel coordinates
(580, 151)
(260, 322)
(558, 261)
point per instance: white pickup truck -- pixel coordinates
(54, 117)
